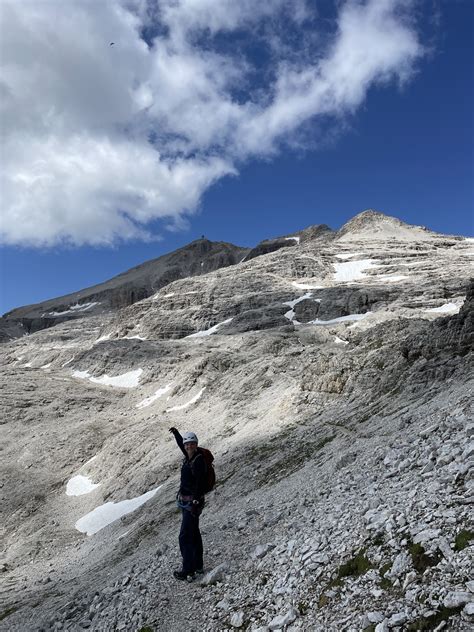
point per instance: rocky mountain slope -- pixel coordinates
(333, 382)
(199, 257)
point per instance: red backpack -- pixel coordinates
(210, 472)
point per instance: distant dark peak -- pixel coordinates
(315, 232)
(271, 245)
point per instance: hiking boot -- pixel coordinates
(183, 576)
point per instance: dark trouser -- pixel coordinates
(190, 542)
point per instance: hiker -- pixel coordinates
(190, 499)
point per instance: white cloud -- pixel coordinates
(100, 140)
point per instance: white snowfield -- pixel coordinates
(210, 331)
(104, 515)
(78, 307)
(103, 338)
(187, 404)
(79, 485)
(349, 255)
(341, 319)
(353, 270)
(297, 239)
(126, 380)
(447, 308)
(305, 286)
(149, 400)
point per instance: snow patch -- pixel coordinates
(149, 400)
(304, 286)
(340, 341)
(104, 515)
(291, 314)
(45, 366)
(78, 307)
(191, 401)
(341, 319)
(210, 331)
(349, 255)
(297, 239)
(447, 308)
(102, 338)
(353, 270)
(126, 380)
(80, 485)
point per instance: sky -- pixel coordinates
(131, 127)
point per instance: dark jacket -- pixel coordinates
(193, 472)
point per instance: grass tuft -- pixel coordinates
(463, 539)
(432, 622)
(422, 561)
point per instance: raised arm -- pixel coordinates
(179, 440)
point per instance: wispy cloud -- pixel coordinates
(99, 140)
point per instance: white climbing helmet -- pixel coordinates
(189, 437)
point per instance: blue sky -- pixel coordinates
(221, 119)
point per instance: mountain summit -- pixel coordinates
(373, 224)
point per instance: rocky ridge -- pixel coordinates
(198, 257)
(337, 400)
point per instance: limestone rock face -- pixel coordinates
(197, 258)
(332, 380)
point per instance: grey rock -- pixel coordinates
(469, 609)
(375, 617)
(279, 622)
(215, 575)
(237, 619)
(457, 598)
(397, 619)
(261, 550)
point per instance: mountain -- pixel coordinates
(197, 258)
(331, 376)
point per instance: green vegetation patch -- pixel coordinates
(146, 629)
(463, 539)
(385, 583)
(355, 567)
(432, 622)
(421, 560)
(303, 607)
(358, 565)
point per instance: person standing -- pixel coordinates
(190, 499)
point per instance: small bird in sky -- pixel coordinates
(111, 43)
